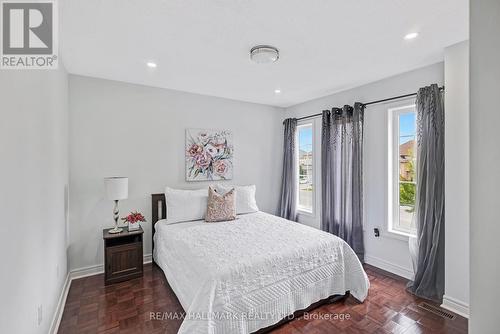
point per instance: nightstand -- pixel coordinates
(122, 255)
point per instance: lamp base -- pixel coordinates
(115, 230)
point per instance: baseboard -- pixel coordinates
(98, 269)
(86, 271)
(456, 306)
(75, 274)
(56, 320)
(388, 266)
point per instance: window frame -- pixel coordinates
(393, 169)
(301, 210)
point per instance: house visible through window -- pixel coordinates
(305, 165)
(402, 176)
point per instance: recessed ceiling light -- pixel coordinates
(411, 35)
(262, 54)
(277, 91)
(150, 64)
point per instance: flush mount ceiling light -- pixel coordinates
(263, 54)
(411, 35)
(277, 91)
(150, 64)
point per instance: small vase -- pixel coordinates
(134, 226)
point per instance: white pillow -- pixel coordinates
(245, 197)
(185, 205)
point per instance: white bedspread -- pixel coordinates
(243, 275)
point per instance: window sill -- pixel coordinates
(398, 235)
(305, 213)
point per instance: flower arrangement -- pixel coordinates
(209, 155)
(133, 218)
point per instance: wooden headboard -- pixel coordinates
(158, 211)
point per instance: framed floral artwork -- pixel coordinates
(209, 155)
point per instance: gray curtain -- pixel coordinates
(429, 277)
(342, 175)
(288, 202)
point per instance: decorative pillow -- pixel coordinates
(220, 207)
(185, 205)
(245, 197)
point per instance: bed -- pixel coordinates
(246, 275)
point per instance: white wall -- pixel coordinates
(33, 178)
(139, 132)
(485, 162)
(456, 78)
(388, 252)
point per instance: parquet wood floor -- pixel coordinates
(92, 307)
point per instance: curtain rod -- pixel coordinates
(372, 102)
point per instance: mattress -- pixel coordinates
(242, 275)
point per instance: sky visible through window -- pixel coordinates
(306, 139)
(406, 127)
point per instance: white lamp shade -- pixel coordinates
(116, 187)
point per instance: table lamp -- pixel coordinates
(116, 189)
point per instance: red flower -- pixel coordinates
(134, 217)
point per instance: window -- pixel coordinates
(402, 170)
(305, 165)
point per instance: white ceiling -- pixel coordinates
(202, 46)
